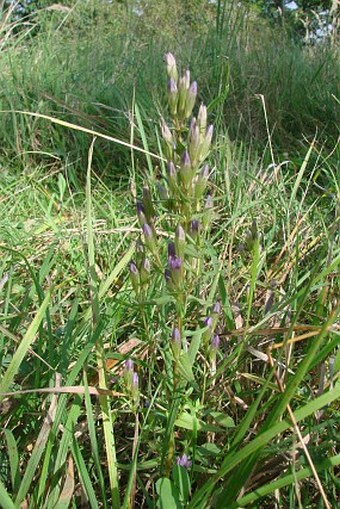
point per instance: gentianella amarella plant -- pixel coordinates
(175, 224)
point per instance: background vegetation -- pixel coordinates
(67, 234)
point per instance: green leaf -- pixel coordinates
(224, 420)
(287, 480)
(182, 482)
(6, 502)
(22, 349)
(187, 421)
(168, 496)
(13, 454)
(185, 367)
(233, 458)
(208, 449)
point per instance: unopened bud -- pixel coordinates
(194, 141)
(149, 238)
(171, 249)
(205, 147)
(201, 182)
(183, 89)
(194, 228)
(190, 99)
(173, 96)
(134, 276)
(202, 119)
(180, 241)
(171, 67)
(141, 213)
(148, 205)
(176, 270)
(186, 169)
(215, 343)
(145, 270)
(176, 343)
(172, 176)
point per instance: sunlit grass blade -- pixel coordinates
(25, 344)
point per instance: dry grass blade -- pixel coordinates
(71, 389)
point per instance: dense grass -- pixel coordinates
(66, 70)
(68, 312)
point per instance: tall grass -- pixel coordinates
(66, 70)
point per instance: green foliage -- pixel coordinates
(186, 427)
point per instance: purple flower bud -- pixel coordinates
(202, 119)
(191, 99)
(167, 275)
(183, 89)
(201, 182)
(215, 342)
(194, 228)
(173, 96)
(184, 461)
(208, 322)
(209, 133)
(149, 238)
(172, 87)
(194, 140)
(139, 207)
(186, 169)
(141, 213)
(171, 66)
(166, 133)
(134, 276)
(147, 231)
(205, 147)
(135, 380)
(129, 365)
(171, 250)
(133, 269)
(217, 308)
(176, 335)
(175, 263)
(172, 176)
(180, 241)
(205, 172)
(145, 271)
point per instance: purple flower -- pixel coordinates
(208, 322)
(172, 87)
(191, 99)
(171, 250)
(135, 380)
(202, 118)
(139, 207)
(194, 228)
(184, 461)
(133, 269)
(215, 342)
(147, 231)
(176, 335)
(171, 66)
(167, 275)
(146, 265)
(129, 365)
(175, 263)
(166, 133)
(217, 308)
